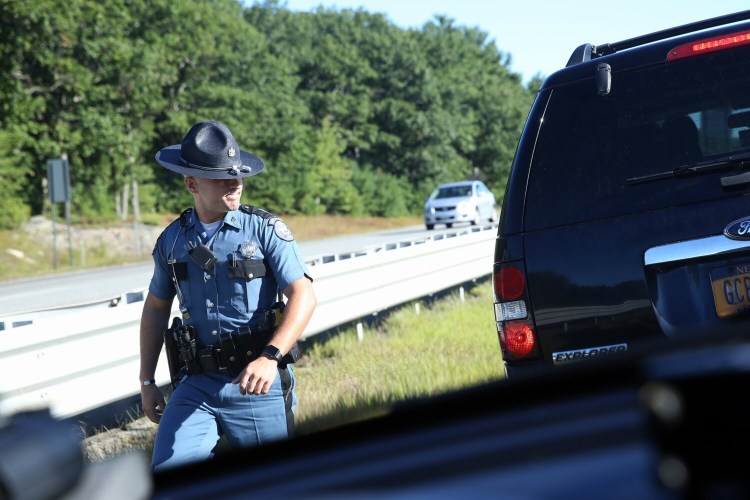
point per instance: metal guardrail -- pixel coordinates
(84, 358)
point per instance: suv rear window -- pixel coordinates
(652, 121)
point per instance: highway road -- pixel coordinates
(104, 284)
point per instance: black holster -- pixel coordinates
(291, 357)
(182, 351)
(273, 316)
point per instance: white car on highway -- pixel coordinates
(465, 201)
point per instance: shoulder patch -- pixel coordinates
(280, 229)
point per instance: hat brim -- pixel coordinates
(169, 158)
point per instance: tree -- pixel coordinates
(68, 87)
(12, 205)
(329, 174)
(110, 84)
(341, 96)
(428, 105)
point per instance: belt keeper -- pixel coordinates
(210, 359)
(245, 344)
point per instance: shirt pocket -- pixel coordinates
(241, 274)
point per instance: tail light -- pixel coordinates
(515, 327)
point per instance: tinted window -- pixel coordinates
(654, 120)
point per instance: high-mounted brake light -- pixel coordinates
(709, 45)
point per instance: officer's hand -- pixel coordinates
(257, 376)
(153, 402)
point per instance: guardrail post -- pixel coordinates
(360, 332)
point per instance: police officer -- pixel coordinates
(225, 262)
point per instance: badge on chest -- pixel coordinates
(248, 249)
(246, 267)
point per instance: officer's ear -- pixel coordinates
(190, 184)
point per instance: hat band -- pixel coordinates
(233, 170)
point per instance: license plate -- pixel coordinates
(731, 287)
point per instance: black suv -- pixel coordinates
(627, 210)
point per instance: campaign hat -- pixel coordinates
(209, 151)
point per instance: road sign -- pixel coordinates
(58, 179)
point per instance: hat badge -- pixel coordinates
(231, 152)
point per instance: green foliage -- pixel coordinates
(383, 194)
(327, 177)
(14, 175)
(341, 105)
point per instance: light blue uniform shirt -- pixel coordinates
(256, 256)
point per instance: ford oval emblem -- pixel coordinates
(739, 229)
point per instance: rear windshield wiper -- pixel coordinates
(689, 170)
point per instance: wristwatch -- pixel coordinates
(273, 352)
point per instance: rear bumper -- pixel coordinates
(524, 369)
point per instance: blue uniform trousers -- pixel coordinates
(205, 407)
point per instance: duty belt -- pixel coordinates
(231, 354)
(234, 351)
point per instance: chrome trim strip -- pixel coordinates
(692, 249)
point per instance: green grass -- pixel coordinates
(448, 345)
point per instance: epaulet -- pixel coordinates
(184, 216)
(280, 229)
(249, 209)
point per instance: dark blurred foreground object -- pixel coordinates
(664, 423)
(41, 458)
